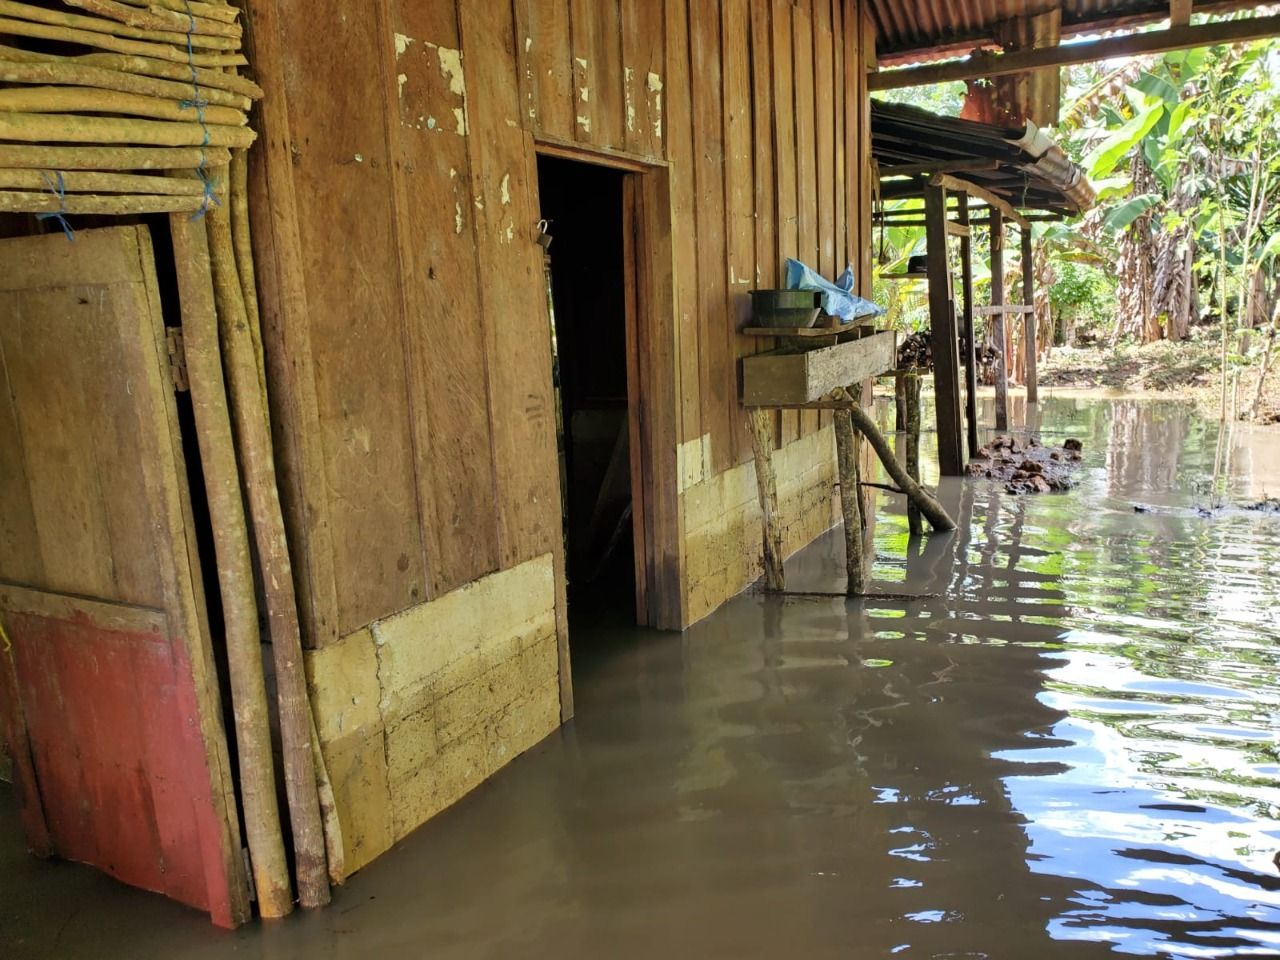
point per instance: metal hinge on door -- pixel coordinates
(177, 359)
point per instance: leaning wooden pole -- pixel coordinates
(848, 448)
(933, 511)
(254, 444)
(235, 568)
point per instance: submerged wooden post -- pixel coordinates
(912, 387)
(997, 318)
(946, 357)
(848, 448)
(761, 426)
(250, 712)
(1030, 330)
(967, 334)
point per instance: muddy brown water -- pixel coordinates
(1066, 748)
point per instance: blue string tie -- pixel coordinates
(198, 103)
(59, 190)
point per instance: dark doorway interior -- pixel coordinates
(584, 207)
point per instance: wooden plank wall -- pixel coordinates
(396, 197)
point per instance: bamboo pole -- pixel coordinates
(80, 75)
(273, 557)
(94, 182)
(113, 205)
(58, 18)
(211, 11)
(158, 19)
(761, 426)
(41, 157)
(104, 41)
(848, 450)
(74, 128)
(235, 567)
(152, 67)
(933, 511)
(93, 100)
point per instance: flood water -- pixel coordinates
(1065, 747)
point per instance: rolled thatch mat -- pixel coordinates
(42, 157)
(103, 41)
(211, 11)
(75, 128)
(26, 11)
(81, 181)
(159, 19)
(92, 100)
(113, 205)
(76, 74)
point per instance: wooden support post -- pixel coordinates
(899, 402)
(848, 451)
(997, 318)
(1031, 328)
(761, 425)
(912, 389)
(966, 331)
(946, 357)
(933, 511)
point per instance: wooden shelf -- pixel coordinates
(789, 378)
(808, 332)
(916, 275)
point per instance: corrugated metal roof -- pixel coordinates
(1026, 168)
(909, 30)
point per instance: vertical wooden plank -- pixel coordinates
(597, 56)
(766, 184)
(286, 328)
(841, 98)
(20, 554)
(660, 366)
(643, 66)
(866, 167)
(1030, 320)
(824, 108)
(679, 136)
(806, 159)
(346, 231)
(641, 530)
(546, 66)
(435, 232)
(714, 360)
(784, 141)
(995, 333)
(740, 227)
(516, 325)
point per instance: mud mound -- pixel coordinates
(1028, 466)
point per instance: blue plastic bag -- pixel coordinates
(838, 299)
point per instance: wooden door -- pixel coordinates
(108, 690)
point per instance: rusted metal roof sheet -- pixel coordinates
(911, 30)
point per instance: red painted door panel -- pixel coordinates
(110, 701)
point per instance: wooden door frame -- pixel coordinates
(652, 377)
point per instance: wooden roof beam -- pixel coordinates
(986, 196)
(1129, 45)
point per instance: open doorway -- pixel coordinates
(590, 289)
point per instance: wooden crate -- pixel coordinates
(789, 377)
